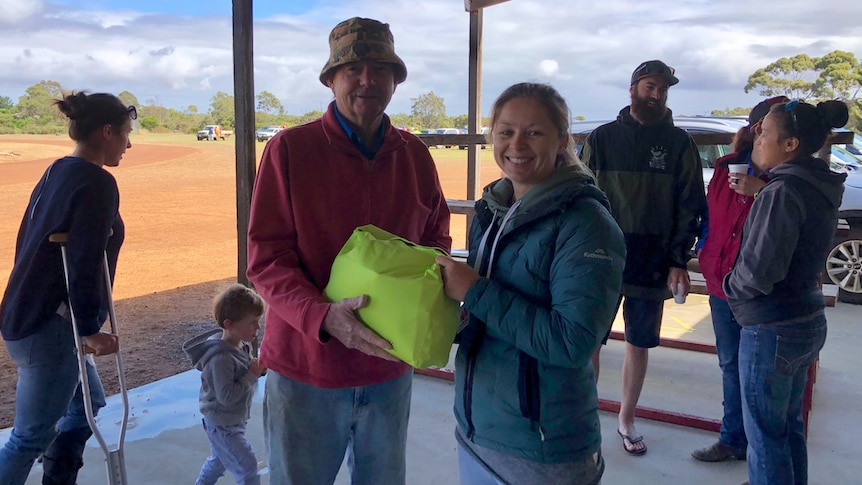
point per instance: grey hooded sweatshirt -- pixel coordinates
(788, 233)
(227, 386)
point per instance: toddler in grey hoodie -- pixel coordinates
(228, 380)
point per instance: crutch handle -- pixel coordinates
(59, 237)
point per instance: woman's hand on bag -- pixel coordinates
(341, 323)
(102, 343)
(457, 277)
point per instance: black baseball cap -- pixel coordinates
(762, 109)
(654, 68)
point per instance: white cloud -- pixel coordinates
(549, 67)
(12, 11)
(587, 52)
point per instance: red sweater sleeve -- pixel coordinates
(273, 261)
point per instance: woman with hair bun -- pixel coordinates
(729, 199)
(77, 196)
(774, 288)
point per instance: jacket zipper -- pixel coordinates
(468, 397)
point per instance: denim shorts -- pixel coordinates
(642, 318)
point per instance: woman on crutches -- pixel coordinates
(77, 196)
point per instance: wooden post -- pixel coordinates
(474, 102)
(474, 107)
(243, 82)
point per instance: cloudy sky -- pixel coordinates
(178, 52)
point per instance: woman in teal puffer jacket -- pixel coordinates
(548, 261)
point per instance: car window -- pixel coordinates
(710, 153)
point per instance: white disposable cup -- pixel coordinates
(678, 295)
(737, 168)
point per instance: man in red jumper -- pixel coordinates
(332, 387)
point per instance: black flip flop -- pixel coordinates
(632, 440)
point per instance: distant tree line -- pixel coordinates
(35, 113)
(837, 74)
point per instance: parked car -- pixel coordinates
(213, 132)
(266, 132)
(843, 266)
(446, 131)
(483, 131)
(848, 156)
(844, 263)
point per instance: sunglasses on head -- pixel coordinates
(133, 112)
(791, 107)
(648, 68)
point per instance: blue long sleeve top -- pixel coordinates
(79, 198)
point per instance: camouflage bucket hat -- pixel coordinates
(359, 39)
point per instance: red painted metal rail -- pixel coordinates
(672, 417)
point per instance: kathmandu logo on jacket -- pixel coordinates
(658, 155)
(598, 254)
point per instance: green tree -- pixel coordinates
(793, 77)
(5, 102)
(192, 109)
(222, 109)
(149, 122)
(400, 120)
(159, 113)
(837, 74)
(268, 103)
(128, 98)
(840, 75)
(181, 122)
(428, 111)
(310, 116)
(460, 121)
(731, 111)
(38, 103)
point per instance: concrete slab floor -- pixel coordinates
(165, 443)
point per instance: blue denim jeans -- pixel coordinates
(309, 429)
(229, 451)
(726, 329)
(49, 406)
(773, 370)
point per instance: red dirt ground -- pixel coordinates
(179, 205)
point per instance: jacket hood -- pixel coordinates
(564, 185)
(199, 349)
(816, 172)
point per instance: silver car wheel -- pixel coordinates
(844, 267)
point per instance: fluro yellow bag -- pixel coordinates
(406, 304)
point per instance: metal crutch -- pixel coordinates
(114, 459)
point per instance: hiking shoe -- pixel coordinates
(718, 452)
